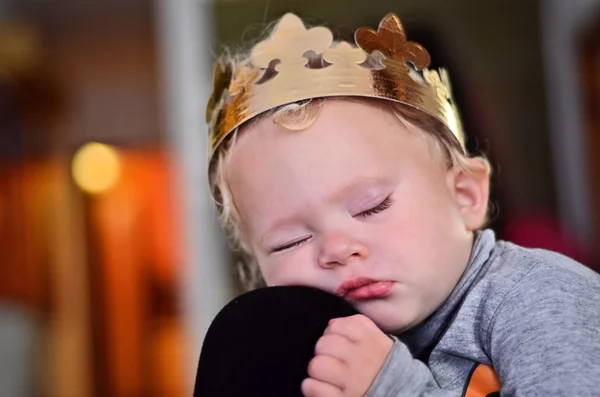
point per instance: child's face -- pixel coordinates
(354, 196)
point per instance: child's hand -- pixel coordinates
(347, 359)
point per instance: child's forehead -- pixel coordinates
(345, 134)
(341, 128)
(333, 114)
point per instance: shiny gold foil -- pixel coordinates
(296, 64)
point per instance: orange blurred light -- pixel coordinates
(96, 167)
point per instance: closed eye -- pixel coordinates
(289, 245)
(384, 205)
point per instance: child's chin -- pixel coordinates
(389, 321)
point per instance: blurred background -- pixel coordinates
(112, 265)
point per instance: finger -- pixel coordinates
(356, 328)
(315, 388)
(329, 370)
(334, 345)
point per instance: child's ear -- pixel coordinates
(470, 189)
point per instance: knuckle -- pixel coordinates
(316, 366)
(322, 344)
(309, 387)
(342, 323)
(335, 323)
(313, 388)
(362, 319)
(329, 344)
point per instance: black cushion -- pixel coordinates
(260, 343)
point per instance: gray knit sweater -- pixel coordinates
(531, 315)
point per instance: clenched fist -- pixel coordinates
(347, 359)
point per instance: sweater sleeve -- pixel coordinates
(403, 376)
(544, 337)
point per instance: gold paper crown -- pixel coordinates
(296, 64)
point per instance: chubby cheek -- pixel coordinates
(414, 236)
(294, 268)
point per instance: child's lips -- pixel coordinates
(377, 290)
(363, 288)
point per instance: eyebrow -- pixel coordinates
(337, 196)
(356, 184)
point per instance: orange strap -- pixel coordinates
(483, 382)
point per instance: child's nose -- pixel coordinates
(339, 249)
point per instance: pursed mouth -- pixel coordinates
(347, 286)
(361, 288)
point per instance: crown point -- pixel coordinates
(391, 22)
(289, 41)
(390, 39)
(288, 24)
(290, 16)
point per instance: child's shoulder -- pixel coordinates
(517, 264)
(527, 292)
(526, 283)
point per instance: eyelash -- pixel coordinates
(384, 205)
(289, 245)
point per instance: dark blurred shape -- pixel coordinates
(260, 344)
